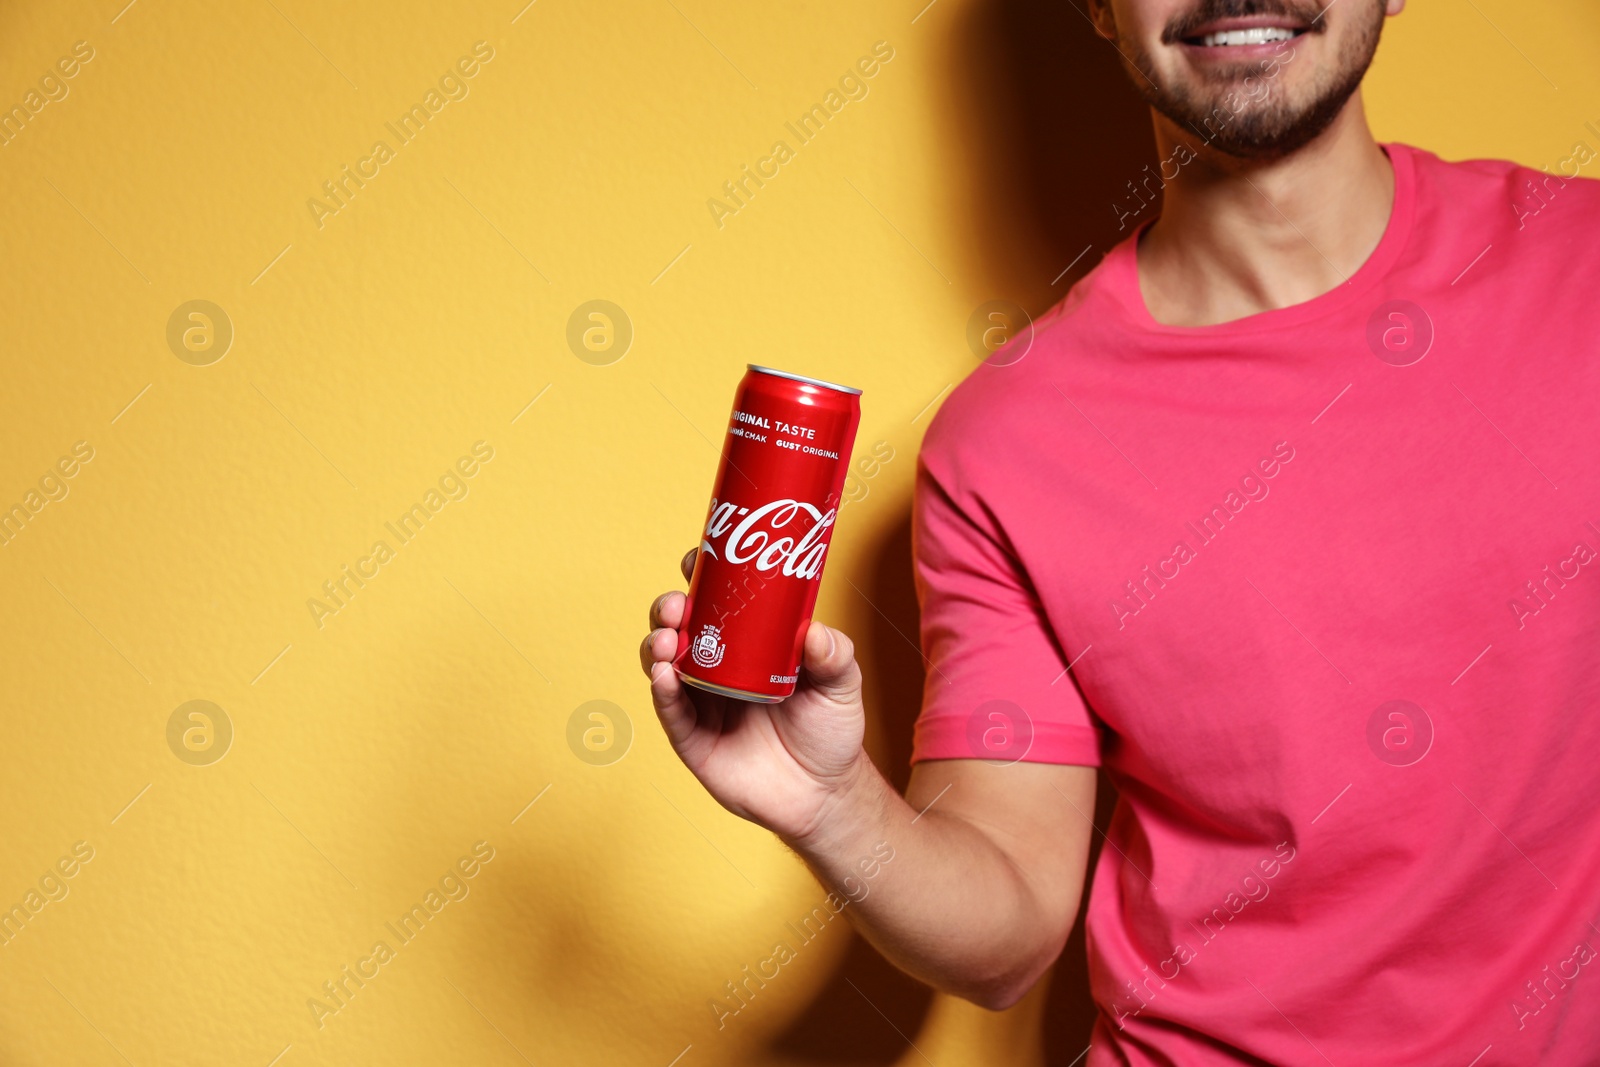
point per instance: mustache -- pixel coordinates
(1306, 15)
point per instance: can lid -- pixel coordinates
(803, 378)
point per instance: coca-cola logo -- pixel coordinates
(755, 535)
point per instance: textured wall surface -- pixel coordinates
(325, 533)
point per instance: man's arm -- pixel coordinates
(987, 873)
(988, 861)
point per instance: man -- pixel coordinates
(1287, 519)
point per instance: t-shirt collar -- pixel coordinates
(1122, 270)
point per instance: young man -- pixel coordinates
(1288, 519)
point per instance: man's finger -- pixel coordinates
(667, 610)
(830, 663)
(687, 565)
(673, 708)
(647, 652)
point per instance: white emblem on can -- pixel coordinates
(708, 648)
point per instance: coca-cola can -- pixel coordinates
(779, 485)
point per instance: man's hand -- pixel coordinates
(780, 765)
(979, 880)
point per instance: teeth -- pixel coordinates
(1254, 35)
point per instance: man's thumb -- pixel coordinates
(830, 663)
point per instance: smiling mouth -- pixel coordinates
(1254, 35)
(1214, 28)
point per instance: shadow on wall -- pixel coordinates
(1046, 134)
(1052, 140)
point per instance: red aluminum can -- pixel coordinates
(777, 493)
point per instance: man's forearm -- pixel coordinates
(949, 906)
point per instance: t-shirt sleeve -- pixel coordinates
(995, 683)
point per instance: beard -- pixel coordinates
(1257, 124)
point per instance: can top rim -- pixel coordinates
(803, 378)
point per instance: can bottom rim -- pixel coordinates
(727, 691)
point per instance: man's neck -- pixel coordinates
(1238, 237)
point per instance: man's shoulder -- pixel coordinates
(1001, 409)
(1580, 161)
(1508, 195)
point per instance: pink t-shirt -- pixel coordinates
(1327, 583)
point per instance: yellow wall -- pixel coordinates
(373, 747)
